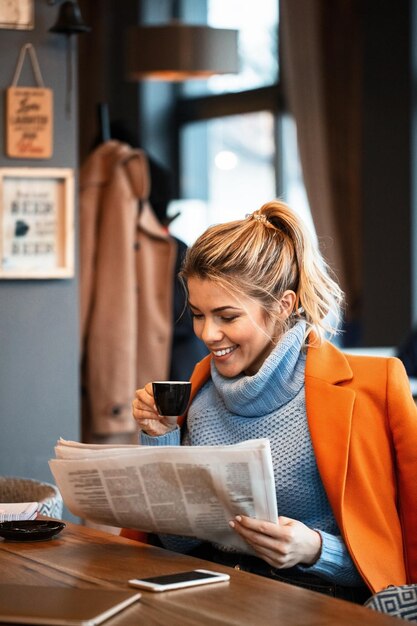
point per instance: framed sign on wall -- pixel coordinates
(29, 113)
(16, 14)
(36, 223)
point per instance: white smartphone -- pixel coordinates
(179, 580)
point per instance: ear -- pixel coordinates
(287, 303)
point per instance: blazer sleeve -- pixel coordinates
(402, 415)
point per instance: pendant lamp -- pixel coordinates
(178, 51)
(69, 22)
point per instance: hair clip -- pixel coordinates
(259, 217)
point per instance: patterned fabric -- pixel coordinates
(396, 601)
(52, 506)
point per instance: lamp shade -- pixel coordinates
(178, 51)
(69, 20)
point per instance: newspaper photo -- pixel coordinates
(182, 490)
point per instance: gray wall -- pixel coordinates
(39, 378)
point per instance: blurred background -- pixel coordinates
(321, 113)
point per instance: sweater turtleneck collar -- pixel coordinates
(279, 379)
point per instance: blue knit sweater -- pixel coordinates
(271, 404)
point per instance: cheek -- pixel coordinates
(197, 327)
(251, 338)
(272, 327)
(264, 334)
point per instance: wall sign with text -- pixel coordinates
(17, 14)
(29, 122)
(36, 223)
(29, 113)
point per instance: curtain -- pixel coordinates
(321, 75)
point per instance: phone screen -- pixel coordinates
(180, 577)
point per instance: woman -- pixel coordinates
(342, 429)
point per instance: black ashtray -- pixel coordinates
(30, 530)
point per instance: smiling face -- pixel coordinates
(236, 331)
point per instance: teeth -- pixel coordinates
(223, 352)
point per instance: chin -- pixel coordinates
(229, 372)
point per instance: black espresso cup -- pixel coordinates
(171, 397)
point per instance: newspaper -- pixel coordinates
(191, 491)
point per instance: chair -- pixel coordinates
(398, 601)
(13, 489)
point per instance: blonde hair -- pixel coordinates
(264, 255)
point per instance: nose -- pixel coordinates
(210, 332)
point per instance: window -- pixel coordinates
(237, 149)
(233, 174)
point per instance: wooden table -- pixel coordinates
(84, 557)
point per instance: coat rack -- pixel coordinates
(103, 121)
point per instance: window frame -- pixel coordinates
(190, 109)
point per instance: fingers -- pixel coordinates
(257, 533)
(141, 410)
(264, 539)
(145, 414)
(282, 544)
(143, 405)
(250, 524)
(145, 396)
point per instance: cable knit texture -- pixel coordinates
(271, 404)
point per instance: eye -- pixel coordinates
(196, 316)
(229, 318)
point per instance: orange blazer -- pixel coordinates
(363, 425)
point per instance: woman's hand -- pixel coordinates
(145, 413)
(282, 545)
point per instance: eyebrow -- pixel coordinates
(219, 309)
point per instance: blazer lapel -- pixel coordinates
(329, 412)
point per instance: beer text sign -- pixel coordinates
(29, 122)
(37, 223)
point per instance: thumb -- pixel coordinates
(284, 521)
